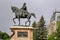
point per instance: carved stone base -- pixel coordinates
(22, 33)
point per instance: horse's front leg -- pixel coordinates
(14, 21)
(19, 21)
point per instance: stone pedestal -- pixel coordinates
(22, 33)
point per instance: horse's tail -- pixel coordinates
(33, 15)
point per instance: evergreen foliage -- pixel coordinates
(55, 35)
(41, 32)
(4, 36)
(41, 22)
(34, 24)
(34, 32)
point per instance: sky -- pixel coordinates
(39, 7)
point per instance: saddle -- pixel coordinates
(24, 13)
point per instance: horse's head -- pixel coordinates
(14, 8)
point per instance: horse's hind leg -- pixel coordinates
(28, 21)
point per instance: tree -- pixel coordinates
(41, 22)
(34, 24)
(52, 36)
(58, 30)
(41, 32)
(34, 32)
(0, 34)
(55, 35)
(4, 36)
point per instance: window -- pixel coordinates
(22, 34)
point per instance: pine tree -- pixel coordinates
(41, 32)
(34, 24)
(34, 32)
(41, 22)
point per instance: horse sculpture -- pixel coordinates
(19, 13)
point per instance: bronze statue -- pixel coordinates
(24, 7)
(22, 13)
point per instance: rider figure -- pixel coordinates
(24, 8)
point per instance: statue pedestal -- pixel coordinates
(22, 33)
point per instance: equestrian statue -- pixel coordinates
(22, 13)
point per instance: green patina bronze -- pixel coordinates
(22, 13)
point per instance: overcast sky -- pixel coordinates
(39, 7)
